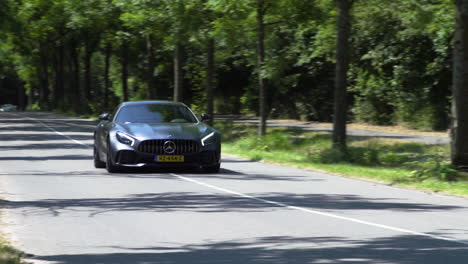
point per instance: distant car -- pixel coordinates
(8, 108)
(155, 134)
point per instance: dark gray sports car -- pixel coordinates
(155, 133)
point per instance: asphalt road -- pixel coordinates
(59, 209)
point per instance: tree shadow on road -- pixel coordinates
(149, 173)
(43, 137)
(45, 158)
(216, 203)
(44, 146)
(404, 249)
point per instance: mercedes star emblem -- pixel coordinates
(169, 147)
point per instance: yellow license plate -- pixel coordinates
(170, 158)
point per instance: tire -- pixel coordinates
(98, 164)
(111, 168)
(212, 169)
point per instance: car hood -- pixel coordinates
(143, 131)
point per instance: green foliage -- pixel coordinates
(394, 159)
(402, 63)
(231, 132)
(331, 156)
(434, 168)
(373, 153)
(400, 67)
(9, 255)
(373, 100)
(423, 118)
(402, 162)
(275, 141)
(35, 107)
(423, 161)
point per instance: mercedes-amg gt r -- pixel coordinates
(155, 134)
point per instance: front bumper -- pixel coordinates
(135, 159)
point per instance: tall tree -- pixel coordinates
(107, 57)
(124, 49)
(205, 26)
(262, 89)
(459, 131)
(43, 73)
(178, 75)
(254, 12)
(178, 11)
(210, 69)
(151, 57)
(74, 72)
(341, 70)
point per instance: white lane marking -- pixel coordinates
(69, 124)
(302, 209)
(59, 133)
(53, 130)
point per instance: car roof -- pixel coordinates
(150, 102)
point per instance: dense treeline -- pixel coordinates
(88, 55)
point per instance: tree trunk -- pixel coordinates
(342, 65)
(22, 101)
(106, 75)
(260, 63)
(44, 76)
(59, 77)
(75, 74)
(178, 96)
(152, 89)
(30, 95)
(87, 71)
(459, 127)
(210, 69)
(124, 62)
(42, 100)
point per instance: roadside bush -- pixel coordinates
(332, 155)
(373, 101)
(426, 119)
(368, 155)
(271, 142)
(278, 141)
(434, 168)
(35, 107)
(9, 255)
(231, 132)
(394, 159)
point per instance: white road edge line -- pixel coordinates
(53, 130)
(302, 209)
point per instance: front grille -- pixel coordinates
(182, 146)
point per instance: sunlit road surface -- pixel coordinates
(60, 209)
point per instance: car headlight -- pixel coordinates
(209, 139)
(124, 138)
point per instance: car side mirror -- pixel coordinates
(205, 117)
(104, 117)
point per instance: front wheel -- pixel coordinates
(98, 164)
(212, 169)
(111, 168)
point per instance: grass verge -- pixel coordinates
(9, 255)
(414, 165)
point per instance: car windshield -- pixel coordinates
(155, 113)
